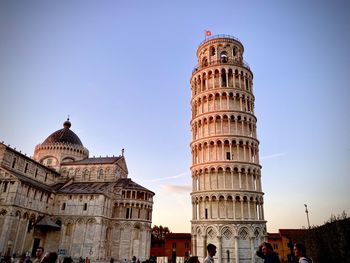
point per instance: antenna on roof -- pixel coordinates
(123, 152)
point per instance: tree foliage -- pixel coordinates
(329, 242)
(159, 232)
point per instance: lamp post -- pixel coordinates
(307, 215)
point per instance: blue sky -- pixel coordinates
(121, 70)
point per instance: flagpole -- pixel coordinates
(207, 33)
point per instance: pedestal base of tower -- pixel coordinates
(235, 243)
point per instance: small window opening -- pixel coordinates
(63, 206)
(206, 213)
(224, 80)
(26, 168)
(14, 162)
(212, 51)
(85, 206)
(30, 225)
(5, 186)
(228, 156)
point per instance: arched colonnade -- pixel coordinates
(242, 150)
(223, 124)
(227, 76)
(224, 100)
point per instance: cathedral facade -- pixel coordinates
(65, 201)
(227, 197)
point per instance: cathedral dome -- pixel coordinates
(64, 135)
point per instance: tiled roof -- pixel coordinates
(94, 160)
(274, 235)
(127, 183)
(46, 222)
(100, 187)
(285, 232)
(86, 188)
(30, 181)
(178, 236)
(57, 186)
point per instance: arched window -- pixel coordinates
(49, 162)
(223, 57)
(204, 62)
(85, 175)
(69, 229)
(212, 51)
(100, 174)
(58, 222)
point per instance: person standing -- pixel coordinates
(50, 257)
(300, 253)
(266, 252)
(22, 258)
(211, 253)
(39, 254)
(193, 259)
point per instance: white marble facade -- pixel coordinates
(65, 201)
(227, 197)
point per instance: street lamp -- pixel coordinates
(307, 215)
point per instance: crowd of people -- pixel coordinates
(265, 252)
(40, 257)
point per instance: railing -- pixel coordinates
(220, 36)
(229, 61)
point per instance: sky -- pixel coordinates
(121, 71)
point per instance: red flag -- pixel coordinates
(207, 33)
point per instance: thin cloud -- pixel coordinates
(176, 188)
(169, 177)
(273, 156)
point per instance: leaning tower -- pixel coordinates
(227, 199)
